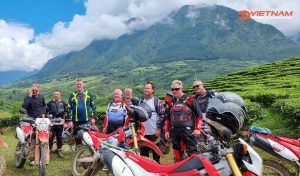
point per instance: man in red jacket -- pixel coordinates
(183, 120)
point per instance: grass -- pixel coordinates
(56, 167)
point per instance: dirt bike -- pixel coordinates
(129, 138)
(239, 159)
(2, 159)
(85, 160)
(284, 148)
(33, 135)
(68, 133)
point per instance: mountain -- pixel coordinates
(195, 35)
(12, 76)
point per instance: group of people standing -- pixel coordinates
(179, 117)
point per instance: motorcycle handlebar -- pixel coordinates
(28, 120)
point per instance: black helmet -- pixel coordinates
(142, 111)
(227, 109)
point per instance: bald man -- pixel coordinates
(116, 113)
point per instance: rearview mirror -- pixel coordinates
(23, 111)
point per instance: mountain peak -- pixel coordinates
(201, 33)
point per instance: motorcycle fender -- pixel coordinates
(283, 151)
(116, 164)
(91, 140)
(256, 166)
(20, 135)
(43, 136)
(3, 144)
(248, 173)
(144, 142)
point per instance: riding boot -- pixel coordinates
(59, 154)
(178, 155)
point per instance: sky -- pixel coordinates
(34, 31)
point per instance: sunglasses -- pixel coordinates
(175, 89)
(34, 90)
(197, 86)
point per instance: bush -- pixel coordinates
(267, 98)
(254, 112)
(9, 121)
(289, 109)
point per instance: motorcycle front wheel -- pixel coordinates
(43, 161)
(78, 167)
(273, 168)
(2, 166)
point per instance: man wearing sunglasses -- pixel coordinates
(202, 96)
(184, 120)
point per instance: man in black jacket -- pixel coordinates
(58, 108)
(34, 103)
(35, 106)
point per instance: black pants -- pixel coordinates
(56, 131)
(184, 134)
(146, 150)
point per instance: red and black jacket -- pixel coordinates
(183, 112)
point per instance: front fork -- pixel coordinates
(231, 161)
(134, 136)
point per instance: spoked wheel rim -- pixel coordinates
(273, 168)
(79, 168)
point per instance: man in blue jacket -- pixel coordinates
(80, 107)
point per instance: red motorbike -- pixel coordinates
(121, 160)
(2, 159)
(86, 160)
(33, 135)
(282, 147)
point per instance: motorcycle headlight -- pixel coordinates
(42, 126)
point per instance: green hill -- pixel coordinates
(271, 92)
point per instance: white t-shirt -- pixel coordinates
(150, 124)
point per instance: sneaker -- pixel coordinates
(59, 154)
(31, 163)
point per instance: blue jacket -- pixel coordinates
(80, 105)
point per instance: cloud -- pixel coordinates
(16, 51)
(22, 50)
(289, 26)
